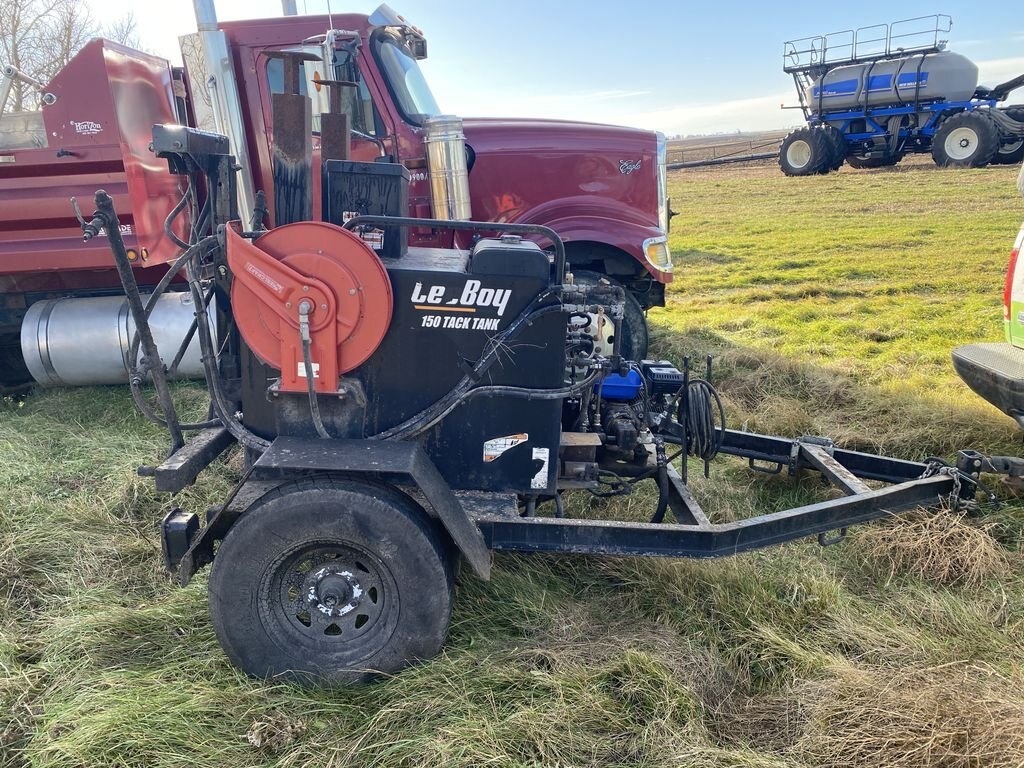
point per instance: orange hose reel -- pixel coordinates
(321, 269)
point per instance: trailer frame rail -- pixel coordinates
(910, 485)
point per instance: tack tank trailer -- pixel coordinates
(872, 95)
(405, 411)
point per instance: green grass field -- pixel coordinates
(832, 304)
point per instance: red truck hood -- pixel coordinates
(495, 133)
(586, 180)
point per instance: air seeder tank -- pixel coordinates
(927, 77)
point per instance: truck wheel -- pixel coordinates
(331, 582)
(837, 147)
(965, 140)
(635, 336)
(1012, 153)
(804, 152)
(13, 371)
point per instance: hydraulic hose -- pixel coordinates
(524, 393)
(701, 402)
(305, 307)
(428, 417)
(175, 211)
(133, 348)
(221, 406)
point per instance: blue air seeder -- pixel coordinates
(874, 94)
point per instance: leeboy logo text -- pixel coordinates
(472, 297)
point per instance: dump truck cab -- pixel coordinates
(996, 370)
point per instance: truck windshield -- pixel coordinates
(408, 86)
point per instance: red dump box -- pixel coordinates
(95, 135)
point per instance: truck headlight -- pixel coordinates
(663, 207)
(657, 253)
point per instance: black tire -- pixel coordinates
(965, 140)
(805, 152)
(13, 371)
(1013, 152)
(332, 582)
(884, 161)
(837, 148)
(635, 335)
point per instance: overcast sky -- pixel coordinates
(675, 66)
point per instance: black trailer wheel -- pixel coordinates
(966, 140)
(1012, 152)
(837, 148)
(635, 335)
(331, 582)
(804, 152)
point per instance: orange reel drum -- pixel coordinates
(339, 278)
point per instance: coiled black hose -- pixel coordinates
(697, 412)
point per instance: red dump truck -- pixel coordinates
(601, 188)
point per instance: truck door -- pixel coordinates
(367, 132)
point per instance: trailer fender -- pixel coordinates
(377, 460)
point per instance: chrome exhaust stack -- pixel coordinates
(216, 102)
(447, 167)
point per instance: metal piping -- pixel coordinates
(226, 102)
(10, 74)
(6, 81)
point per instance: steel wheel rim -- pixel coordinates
(1009, 149)
(799, 154)
(329, 597)
(961, 143)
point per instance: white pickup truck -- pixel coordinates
(996, 370)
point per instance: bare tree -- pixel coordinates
(124, 31)
(38, 37)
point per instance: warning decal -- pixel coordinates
(541, 457)
(496, 446)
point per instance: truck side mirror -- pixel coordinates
(417, 47)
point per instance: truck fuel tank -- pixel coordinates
(85, 341)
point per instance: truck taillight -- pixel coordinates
(1008, 290)
(1012, 287)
